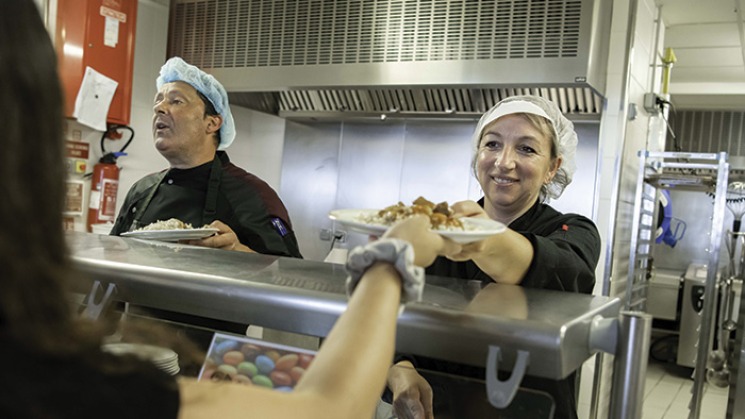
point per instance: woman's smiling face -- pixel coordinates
(514, 160)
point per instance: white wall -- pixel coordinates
(150, 54)
(635, 44)
(259, 144)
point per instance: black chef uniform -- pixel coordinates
(217, 190)
(566, 251)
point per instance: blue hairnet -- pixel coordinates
(176, 69)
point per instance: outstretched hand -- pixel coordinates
(469, 209)
(426, 243)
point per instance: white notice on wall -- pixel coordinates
(94, 99)
(74, 197)
(111, 32)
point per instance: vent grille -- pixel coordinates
(708, 132)
(266, 33)
(429, 103)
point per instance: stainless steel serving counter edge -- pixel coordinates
(455, 321)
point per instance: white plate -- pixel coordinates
(477, 228)
(172, 235)
(156, 354)
(163, 358)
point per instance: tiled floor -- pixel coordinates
(667, 393)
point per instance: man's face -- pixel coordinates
(182, 132)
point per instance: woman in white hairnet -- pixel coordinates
(523, 155)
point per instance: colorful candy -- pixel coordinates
(253, 363)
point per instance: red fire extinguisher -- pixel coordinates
(105, 182)
(104, 187)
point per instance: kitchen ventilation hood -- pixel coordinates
(442, 59)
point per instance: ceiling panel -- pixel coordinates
(710, 74)
(705, 11)
(709, 57)
(702, 35)
(707, 38)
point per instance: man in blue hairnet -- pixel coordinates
(192, 126)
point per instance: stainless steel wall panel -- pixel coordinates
(370, 162)
(310, 170)
(436, 161)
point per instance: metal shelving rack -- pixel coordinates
(704, 172)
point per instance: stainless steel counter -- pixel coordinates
(456, 321)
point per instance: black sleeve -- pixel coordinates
(565, 259)
(258, 216)
(265, 233)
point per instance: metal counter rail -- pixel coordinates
(456, 321)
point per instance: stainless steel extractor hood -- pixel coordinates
(396, 58)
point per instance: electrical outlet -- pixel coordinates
(326, 234)
(340, 236)
(651, 103)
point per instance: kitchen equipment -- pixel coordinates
(691, 314)
(720, 360)
(717, 372)
(695, 172)
(429, 59)
(735, 202)
(665, 287)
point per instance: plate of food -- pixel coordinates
(171, 230)
(375, 222)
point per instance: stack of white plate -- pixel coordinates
(163, 358)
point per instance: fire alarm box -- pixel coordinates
(99, 34)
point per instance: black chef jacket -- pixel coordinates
(239, 199)
(566, 251)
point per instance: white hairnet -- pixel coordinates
(176, 69)
(565, 139)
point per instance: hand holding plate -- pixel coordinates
(427, 244)
(225, 239)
